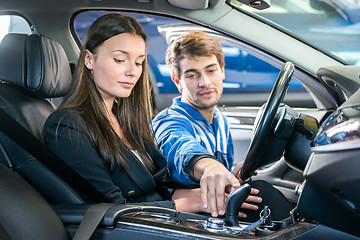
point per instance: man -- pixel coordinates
(193, 134)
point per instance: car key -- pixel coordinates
(264, 215)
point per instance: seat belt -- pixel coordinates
(25, 139)
(91, 220)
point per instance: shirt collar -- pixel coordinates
(192, 111)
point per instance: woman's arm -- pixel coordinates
(180, 193)
(190, 204)
(188, 200)
(69, 140)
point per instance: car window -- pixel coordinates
(13, 24)
(331, 25)
(249, 74)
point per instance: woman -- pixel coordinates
(102, 127)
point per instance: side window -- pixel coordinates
(13, 24)
(248, 78)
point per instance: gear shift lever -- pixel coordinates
(233, 204)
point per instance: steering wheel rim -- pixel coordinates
(263, 130)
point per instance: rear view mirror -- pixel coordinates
(258, 4)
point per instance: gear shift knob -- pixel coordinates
(233, 204)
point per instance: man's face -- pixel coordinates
(201, 81)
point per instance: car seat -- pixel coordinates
(33, 69)
(24, 214)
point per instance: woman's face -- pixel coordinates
(116, 65)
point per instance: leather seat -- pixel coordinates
(25, 214)
(33, 69)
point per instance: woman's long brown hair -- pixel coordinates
(134, 113)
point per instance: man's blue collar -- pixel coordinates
(189, 109)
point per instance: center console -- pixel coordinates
(147, 222)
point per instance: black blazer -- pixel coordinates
(66, 134)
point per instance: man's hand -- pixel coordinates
(236, 171)
(216, 182)
(215, 178)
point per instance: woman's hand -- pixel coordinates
(189, 200)
(251, 199)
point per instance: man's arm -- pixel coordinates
(176, 139)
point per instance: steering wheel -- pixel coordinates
(261, 150)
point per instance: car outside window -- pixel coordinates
(248, 78)
(331, 25)
(13, 24)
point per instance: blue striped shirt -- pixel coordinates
(181, 133)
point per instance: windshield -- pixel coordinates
(330, 25)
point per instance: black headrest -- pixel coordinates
(36, 63)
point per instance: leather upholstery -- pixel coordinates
(36, 63)
(32, 69)
(24, 214)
